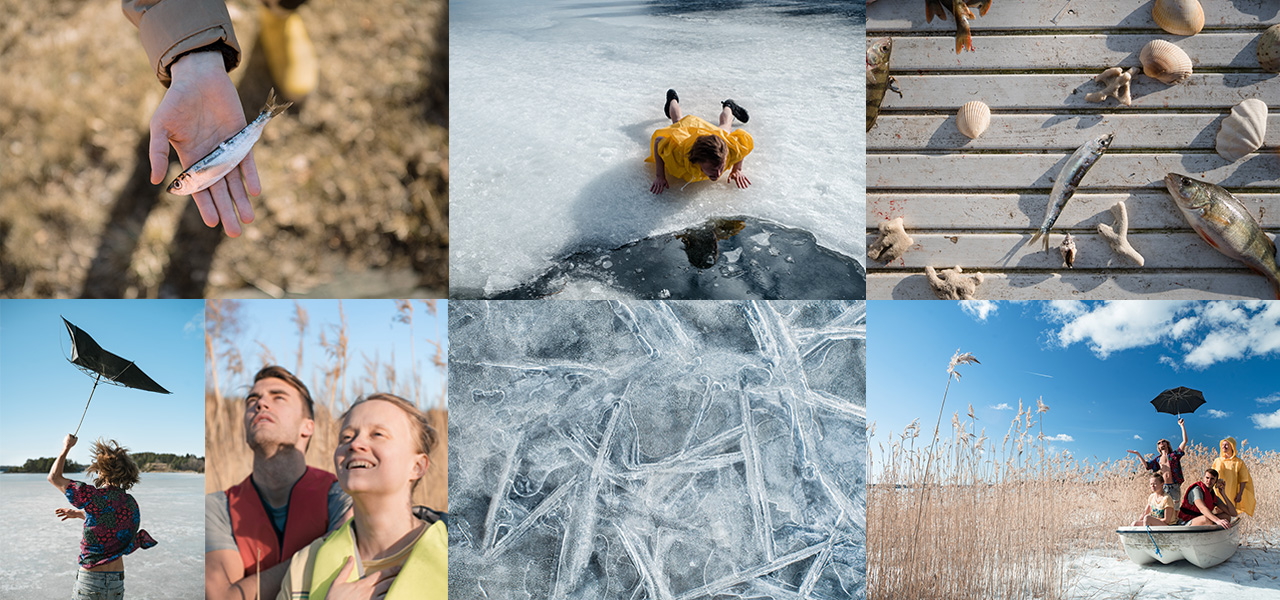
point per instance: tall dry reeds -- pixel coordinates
(228, 458)
(1006, 520)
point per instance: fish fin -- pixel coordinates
(890, 85)
(273, 108)
(1036, 236)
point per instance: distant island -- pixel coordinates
(148, 462)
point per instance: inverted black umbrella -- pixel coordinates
(1178, 401)
(95, 362)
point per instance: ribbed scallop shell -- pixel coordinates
(1269, 49)
(1165, 61)
(973, 119)
(1179, 17)
(1243, 131)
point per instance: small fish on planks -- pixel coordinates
(228, 154)
(1223, 221)
(1069, 179)
(878, 79)
(960, 8)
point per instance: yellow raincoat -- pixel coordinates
(679, 137)
(1233, 472)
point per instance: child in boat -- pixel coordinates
(1161, 509)
(388, 548)
(695, 150)
(111, 517)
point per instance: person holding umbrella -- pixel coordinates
(1167, 462)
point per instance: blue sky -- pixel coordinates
(372, 333)
(1097, 366)
(42, 395)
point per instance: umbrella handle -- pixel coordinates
(86, 404)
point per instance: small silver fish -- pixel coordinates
(1068, 179)
(228, 154)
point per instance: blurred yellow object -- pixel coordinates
(291, 56)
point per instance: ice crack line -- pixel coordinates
(724, 583)
(579, 536)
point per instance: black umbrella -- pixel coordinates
(1178, 400)
(90, 358)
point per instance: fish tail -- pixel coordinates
(1036, 236)
(273, 108)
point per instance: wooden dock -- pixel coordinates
(976, 203)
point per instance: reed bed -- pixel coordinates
(1005, 517)
(228, 457)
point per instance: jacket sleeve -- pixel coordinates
(170, 28)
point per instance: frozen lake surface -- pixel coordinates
(657, 450)
(39, 550)
(552, 103)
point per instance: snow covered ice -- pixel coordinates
(553, 103)
(657, 450)
(40, 550)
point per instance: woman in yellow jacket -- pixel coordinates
(695, 150)
(1233, 472)
(388, 548)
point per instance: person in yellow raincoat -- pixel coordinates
(694, 150)
(1235, 474)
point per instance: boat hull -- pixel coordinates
(1204, 546)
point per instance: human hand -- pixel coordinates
(1135, 452)
(659, 185)
(200, 111)
(69, 513)
(69, 441)
(372, 585)
(1180, 421)
(739, 179)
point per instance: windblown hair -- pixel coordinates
(113, 465)
(424, 434)
(708, 149)
(1157, 475)
(1213, 472)
(284, 375)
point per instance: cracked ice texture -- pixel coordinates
(657, 450)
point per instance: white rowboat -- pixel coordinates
(1203, 545)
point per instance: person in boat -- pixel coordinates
(1168, 463)
(1235, 475)
(1161, 509)
(1206, 504)
(694, 150)
(389, 548)
(252, 528)
(111, 517)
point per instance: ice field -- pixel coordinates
(552, 104)
(657, 450)
(40, 550)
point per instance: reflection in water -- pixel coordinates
(738, 258)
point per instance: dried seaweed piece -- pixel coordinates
(892, 244)
(1119, 237)
(1117, 81)
(953, 284)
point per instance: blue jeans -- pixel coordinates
(104, 585)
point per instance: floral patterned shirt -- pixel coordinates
(111, 521)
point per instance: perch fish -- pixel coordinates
(960, 8)
(1224, 222)
(878, 79)
(228, 154)
(1068, 179)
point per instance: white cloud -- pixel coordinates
(195, 324)
(1202, 333)
(1061, 437)
(1002, 406)
(1272, 399)
(1218, 414)
(978, 309)
(1137, 437)
(1266, 420)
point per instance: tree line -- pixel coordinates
(146, 461)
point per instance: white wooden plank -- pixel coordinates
(1053, 92)
(908, 15)
(1189, 285)
(1022, 171)
(1166, 250)
(1082, 51)
(1171, 131)
(1148, 209)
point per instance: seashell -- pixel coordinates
(973, 119)
(1165, 61)
(1269, 49)
(1179, 17)
(1243, 130)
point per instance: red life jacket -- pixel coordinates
(1189, 510)
(307, 520)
